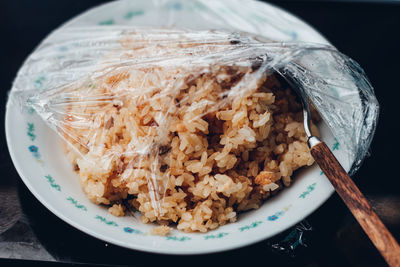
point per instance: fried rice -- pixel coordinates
(187, 147)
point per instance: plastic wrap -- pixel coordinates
(335, 84)
(100, 78)
(292, 241)
(108, 76)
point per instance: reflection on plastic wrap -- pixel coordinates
(298, 237)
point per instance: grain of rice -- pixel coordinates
(161, 230)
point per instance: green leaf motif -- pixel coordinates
(104, 220)
(52, 182)
(335, 146)
(133, 13)
(107, 22)
(31, 110)
(76, 204)
(29, 104)
(220, 235)
(39, 81)
(310, 188)
(180, 239)
(251, 226)
(31, 130)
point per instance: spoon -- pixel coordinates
(348, 190)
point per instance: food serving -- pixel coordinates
(184, 145)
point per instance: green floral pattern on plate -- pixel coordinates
(39, 81)
(52, 182)
(251, 226)
(107, 22)
(216, 236)
(31, 131)
(310, 188)
(180, 239)
(76, 204)
(133, 13)
(104, 220)
(335, 145)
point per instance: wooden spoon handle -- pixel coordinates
(357, 203)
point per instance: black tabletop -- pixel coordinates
(366, 31)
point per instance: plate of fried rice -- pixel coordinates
(237, 173)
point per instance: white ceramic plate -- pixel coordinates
(35, 148)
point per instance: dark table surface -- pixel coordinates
(366, 31)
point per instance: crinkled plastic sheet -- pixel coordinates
(335, 84)
(81, 53)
